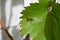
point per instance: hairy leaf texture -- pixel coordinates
(33, 20)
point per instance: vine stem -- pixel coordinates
(5, 29)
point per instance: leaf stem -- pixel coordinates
(5, 29)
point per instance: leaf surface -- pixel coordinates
(33, 20)
(52, 27)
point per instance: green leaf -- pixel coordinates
(40, 23)
(52, 27)
(33, 20)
